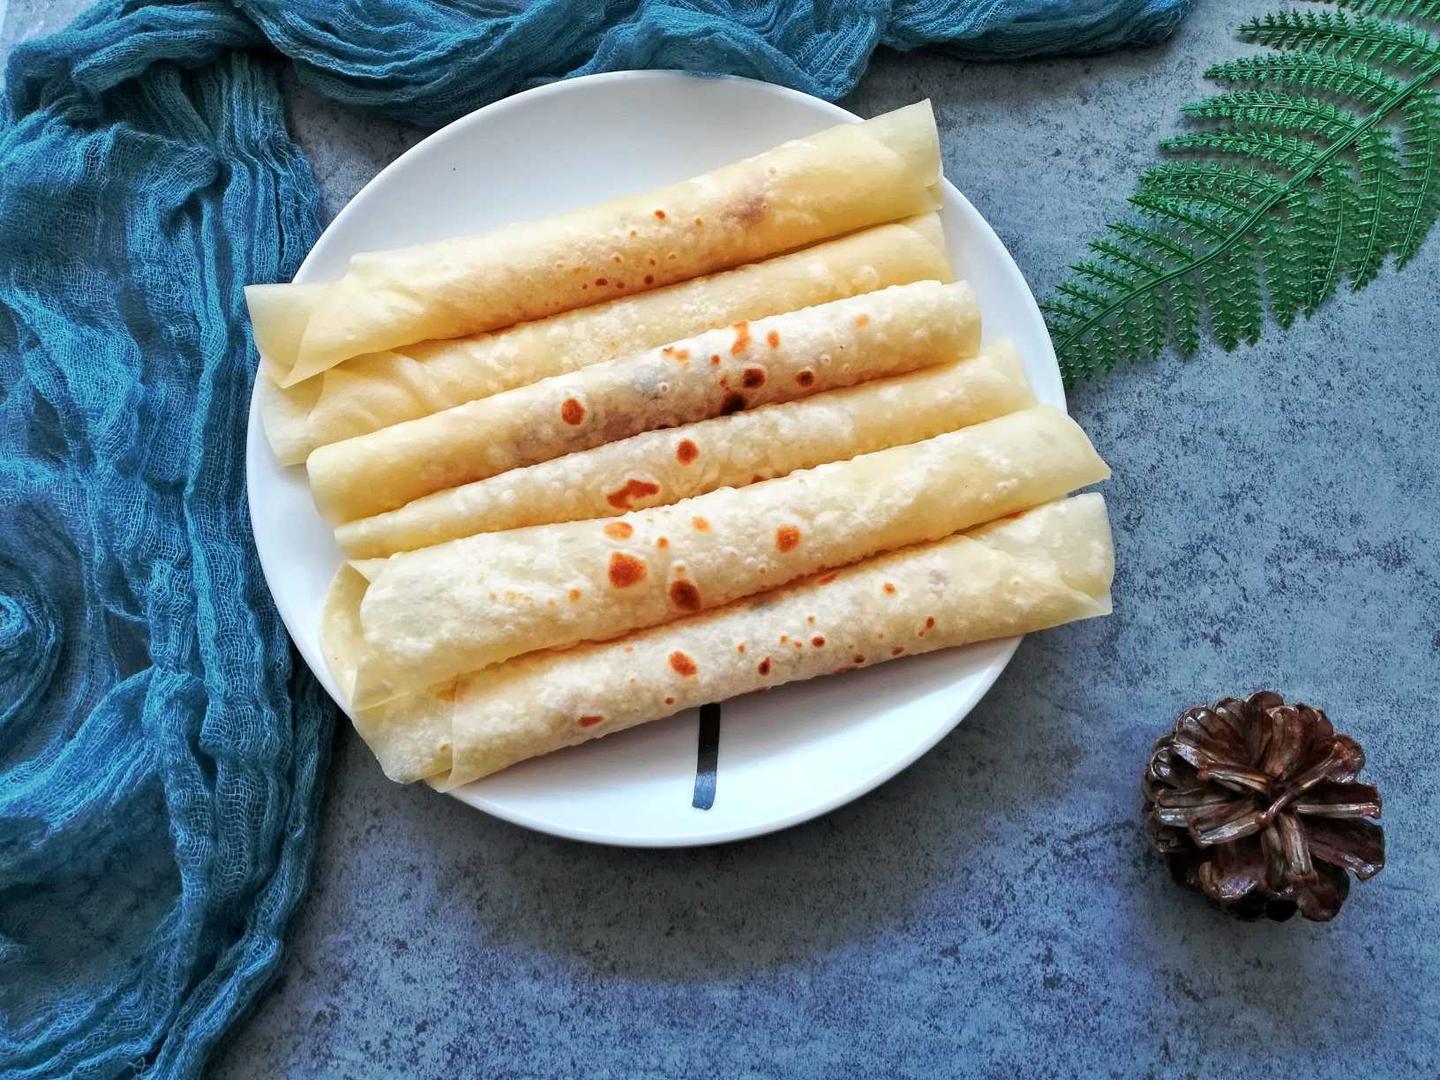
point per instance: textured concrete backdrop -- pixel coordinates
(992, 910)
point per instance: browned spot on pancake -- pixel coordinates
(805, 377)
(686, 451)
(929, 622)
(625, 570)
(714, 359)
(660, 214)
(818, 641)
(784, 638)
(757, 478)
(450, 693)
(621, 498)
(733, 403)
(681, 355)
(619, 284)
(753, 377)
(649, 279)
(685, 596)
(889, 588)
(602, 281)
(701, 525)
(620, 530)
(862, 319)
(574, 595)
(591, 720)
(810, 619)
(740, 648)
(682, 663)
(662, 542)
(787, 538)
(742, 338)
(699, 222)
(897, 650)
(764, 666)
(825, 580)
(571, 411)
(669, 701)
(651, 260)
(859, 659)
(617, 258)
(799, 644)
(773, 337)
(750, 211)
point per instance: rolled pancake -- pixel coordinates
(413, 741)
(834, 182)
(715, 373)
(367, 393)
(659, 467)
(1048, 566)
(432, 614)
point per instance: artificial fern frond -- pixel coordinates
(1412, 10)
(1365, 38)
(1318, 162)
(1340, 76)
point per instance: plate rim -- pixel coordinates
(320, 670)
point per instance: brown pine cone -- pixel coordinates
(1255, 804)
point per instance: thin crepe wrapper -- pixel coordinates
(834, 182)
(659, 467)
(367, 393)
(433, 614)
(779, 358)
(1047, 566)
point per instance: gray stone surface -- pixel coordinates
(992, 911)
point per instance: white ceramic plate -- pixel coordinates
(784, 756)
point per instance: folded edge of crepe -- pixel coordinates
(366, 393)
(432, 614)
(778, 358)
(659, 467)
(827, 184)
(1038, 569)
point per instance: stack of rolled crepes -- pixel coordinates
(592, 471)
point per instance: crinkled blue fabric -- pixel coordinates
(160, 750)
(432, 62)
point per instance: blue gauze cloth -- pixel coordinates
(160, 750)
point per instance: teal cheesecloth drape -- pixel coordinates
(160, 749)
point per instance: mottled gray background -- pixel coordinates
(992, 910)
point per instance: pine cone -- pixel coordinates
(1255, 804)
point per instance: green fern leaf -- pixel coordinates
(1419, 173)
(1318, 162)
(1340, 76)
(1412, 10)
